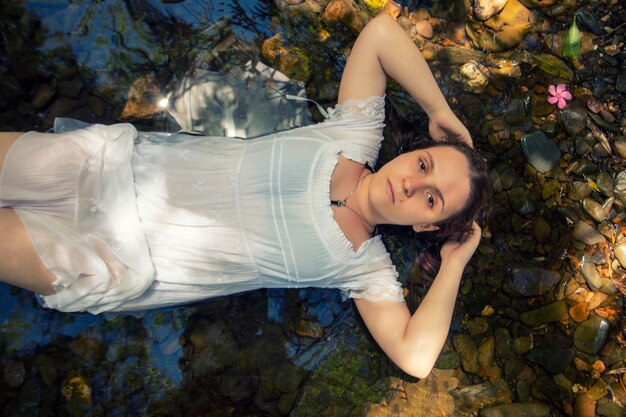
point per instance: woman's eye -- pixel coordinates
(431, 201)
(422, 166)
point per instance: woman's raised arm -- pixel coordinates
(383, 48)
(414, 343)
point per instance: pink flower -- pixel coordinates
(559, 95)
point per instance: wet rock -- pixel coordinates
(584, 405)
(620, 83)
(587, 234)
(10, 87)
(599, 212)
(550, 188)
(468, 351)
(477, 326)
(238, 388)
(475, 397)
(142, 102)
(448, 360)
(578, 190)
(556, 41)
(582, 167)
(76, 390)
(516, 410)
(485, 356)
(343, 12)
(14, 373)
(522, 201)
(620, 252)
(549, 313)
(522, 344)
(604, 181)
(485, 9)
(46, 368)
(620, 147)
(619, 187)
(591, 335)
(308, 328)
(291, 61)
(424, 29)
(572, 118)
(42, 96)
(541, 152)
(530, 280)
(579, 312)
(541, 229)
(607, 408)
(473, 76)
(503, 342)
(553, 360)
(589, 20)
(589, 271)
(502, 177)
(71, 88)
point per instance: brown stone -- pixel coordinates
(579, 312)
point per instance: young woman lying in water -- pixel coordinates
(109, 219)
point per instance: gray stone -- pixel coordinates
(521, 201)
(530, 280)
(588, 19)
(516, 410)
(590, 335)
(587, 234)
(620, 83)
(589, 271)
(541, 152)
(620, 252)
(577, 190)
(605, 183)
(553, 360)
(572, 119)
(619, 187)
(597, 211)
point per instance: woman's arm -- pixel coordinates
(414, 343)
(383, 48)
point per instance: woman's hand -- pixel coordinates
(445, 124)
(461, 252)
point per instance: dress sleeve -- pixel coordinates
(372, 108)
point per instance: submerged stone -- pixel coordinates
(591, 335)
(522, 201)
(541, 152)
(553, 360)
(587, 234)
(530, 280)
(464, 344)
(572, 119)
(589, 271)
(547, 314)
(516, 410)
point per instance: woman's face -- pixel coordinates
(420, 188)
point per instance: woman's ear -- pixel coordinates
(425, 228)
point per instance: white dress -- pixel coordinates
(131, 221)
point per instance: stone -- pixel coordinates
(620, 252)
(485, 9)
(522, 344)
(541, 229)
(572, 118)
(577, 190)
(465, 346)
(141, 103)
(589, 272)
(599, 212)
(424, 29)
(552, 359)
(549, 313)
(477, 326)
(516, 410)
(619, 187)
(14, 373)
(589, 20)
(604, 181)
(587, 234)
(485, 356)
(620, 83)
(343, 12)
(590, 335)
(472, 398)
(541, 152)
(607, 408)
(473, 76)
(579, 312)
(620, 147)
(530, 280)
(584, 405)
(521, 201)
(42, 96)
(503, 342)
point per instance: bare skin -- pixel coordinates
(19, 263)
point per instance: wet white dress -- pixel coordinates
(132, 221)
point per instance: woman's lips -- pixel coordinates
(390, 192)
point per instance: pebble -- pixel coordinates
(597, 211)
(578, 190)
(465, 346)
(620, 253)
(42, 96)
(522, 201)
(572, 119)
(14, 373)
(485, 9)
(553, 359)
(619, 186)
(516, 410)
(587, 234)
(589, 271)
(541, 152)
(590, 335)
(620, 83)
(531, 280)
(549, 313)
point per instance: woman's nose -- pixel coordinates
(408, 185)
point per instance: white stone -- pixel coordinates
(473, 76)
(484, 9)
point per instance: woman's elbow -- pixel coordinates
(417, 365)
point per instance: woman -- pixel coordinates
(96, 223)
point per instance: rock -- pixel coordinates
(541, 152)
(556, 41)
(620, 147)
(42, 96)
(549, 313)
(620, 252)
(468, 352)
(238, 388)
(521, 201)
(503, 342)
(522, 344)
(607, 408)
(552, 359)
(579, 312)
(530, 280)
(46, 368)
(578, 190)
(516, 410)
(14, 373)
(587, 234)
(475, 397)
(619, 187)
(590, 336)
(71, 88)
(572, 118)
(589, 271)
(584, 406)
(291, 61)
(620, 83)
(477, 326)
(141, 103)
(604, 181)
(599, 212)
(424, 29)
(473, 76)
(485, 356)
(582, 167)
(308, 328)
(589, 20)
(541, 229)
(485, 9)
(343, 12)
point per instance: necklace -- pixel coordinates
(344, 202)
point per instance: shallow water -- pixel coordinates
(305, 352)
